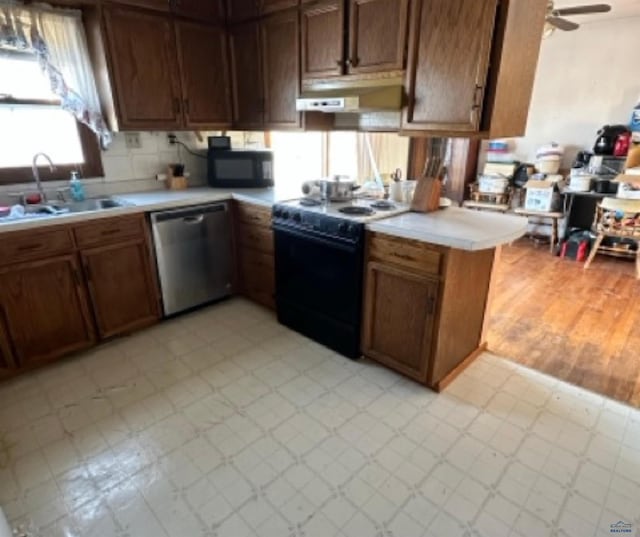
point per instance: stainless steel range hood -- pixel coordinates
(351, 100)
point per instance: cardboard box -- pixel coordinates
(540, 196)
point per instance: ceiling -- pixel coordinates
(620, 9)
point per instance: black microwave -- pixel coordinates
(240, 168)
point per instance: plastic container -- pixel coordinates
(548, 165)
(635, 123)
(491, 184)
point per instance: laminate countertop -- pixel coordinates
(156, 200)
(454, 227)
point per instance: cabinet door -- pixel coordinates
(323, 39)
(241, 10)
(281, 72)
(399, 315)
(202, 53)
(211, 10)
(44, 310)
(122, 287)
(449, 49)
(144, 69)
(161, 5)
(269, 6)
(6, 354)
(246, 76)
(377, 36)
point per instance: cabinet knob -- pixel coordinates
(339, 63)
(353, 62)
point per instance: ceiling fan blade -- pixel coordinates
(563, 24)
(581, 10)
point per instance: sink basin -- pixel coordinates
(90, 205)
(58, 208)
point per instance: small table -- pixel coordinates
(551, 215)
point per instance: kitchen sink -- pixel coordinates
(56, 208)
(90, 205)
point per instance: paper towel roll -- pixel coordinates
(5, 530)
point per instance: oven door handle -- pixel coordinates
(313, 237)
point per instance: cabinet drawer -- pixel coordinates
(254, 214)
(24, 246)
(407, 253)
(255, 237)
(101, 232)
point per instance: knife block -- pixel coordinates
(175, 182)
(426, 198)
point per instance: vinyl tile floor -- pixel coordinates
(223, 423)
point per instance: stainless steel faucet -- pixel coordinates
(36, 173)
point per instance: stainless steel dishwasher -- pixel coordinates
(193, 252)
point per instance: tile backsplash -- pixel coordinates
(134, 170)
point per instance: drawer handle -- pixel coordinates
(403, 256)
(110, 231)
(30, 247)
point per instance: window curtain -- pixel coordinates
(389, 150)
(57, 38)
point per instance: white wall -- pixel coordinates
(585, 79)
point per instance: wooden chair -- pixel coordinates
(617, 218)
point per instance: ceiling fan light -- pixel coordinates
(549, 30)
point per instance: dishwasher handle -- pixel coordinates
(192, 220)
(189, 215)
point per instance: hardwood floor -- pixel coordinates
(580, 326)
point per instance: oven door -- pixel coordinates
(319, 288)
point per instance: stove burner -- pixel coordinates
(310, 202)
(383, 205)
(357, 211)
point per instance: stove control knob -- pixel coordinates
(343, 228)
(297, 217)
(285, 215)
(277, 213)
(351, 230)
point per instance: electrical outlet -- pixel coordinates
(132, 140)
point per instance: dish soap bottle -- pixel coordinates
(76, 187)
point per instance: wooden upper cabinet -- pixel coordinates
(399, 318)
(322, 36)
(44, 309)
(210, 10)
(281, 72)
(246, 76)
(241, 10)
(377, 35)
(204, 69)
(161, 5)
(269, 6)
(122, 287)
(144, 69)
(449, 49)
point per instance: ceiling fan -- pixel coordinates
(555, 16)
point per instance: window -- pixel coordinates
(306, 156)
(33, 122)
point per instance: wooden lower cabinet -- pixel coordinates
(44, 310)
(255, 262)
(424, 307)
(121, 286)
(400, 311)
(63, 288)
